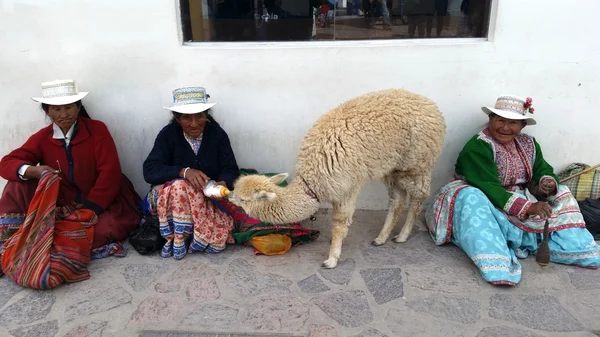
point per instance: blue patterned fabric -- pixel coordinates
(494, 244)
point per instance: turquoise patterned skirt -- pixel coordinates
(463, 215)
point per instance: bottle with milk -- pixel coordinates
(212, 190)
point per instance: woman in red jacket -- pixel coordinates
(82, 152)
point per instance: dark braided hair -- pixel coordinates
(82, 111)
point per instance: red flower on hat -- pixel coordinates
(527, 105)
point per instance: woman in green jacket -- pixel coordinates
(503, 192)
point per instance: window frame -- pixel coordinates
(339, 43)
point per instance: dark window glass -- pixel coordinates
(323, 20)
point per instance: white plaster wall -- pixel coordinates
(129, 56)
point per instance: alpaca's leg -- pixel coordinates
(417, 188)
(395, 207)
(341, 221)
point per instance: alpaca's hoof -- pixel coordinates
(330, 263)
(377, 242)
(400, 239)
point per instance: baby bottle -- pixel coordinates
(212, 190)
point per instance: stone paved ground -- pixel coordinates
(412, 289)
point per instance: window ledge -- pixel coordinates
(336, 44)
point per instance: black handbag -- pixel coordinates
(590, 208)
(146, 239)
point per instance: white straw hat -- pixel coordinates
(512, 107)
(190, 100)
(60, 92)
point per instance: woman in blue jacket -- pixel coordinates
(191, 150)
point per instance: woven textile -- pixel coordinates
(584, 186)
(53, 244)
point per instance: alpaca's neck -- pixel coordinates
(293, 203)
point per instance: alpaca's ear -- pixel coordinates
(278, 178)
(262, 195)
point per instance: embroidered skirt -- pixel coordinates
(189, 221)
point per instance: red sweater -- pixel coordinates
(91, 172)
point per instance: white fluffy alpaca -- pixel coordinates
(393, 135)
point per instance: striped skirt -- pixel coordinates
(53, 244)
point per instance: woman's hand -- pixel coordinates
(541, 209)
(35, 172)
(196, 177)
(547, 186)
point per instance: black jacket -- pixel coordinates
(171, 153)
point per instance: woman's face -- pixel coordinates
(192, 124)
(64, 115)
(505, 130)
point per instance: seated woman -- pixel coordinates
(82, 153)
(191, 150)
(504, 192)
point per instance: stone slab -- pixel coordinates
(385, 284)
(448, 253)
(247, 281)
(158, 309)
(539, 312)
(585, 279)
(8, 289)
(371, 332)
(202, 290)
(212, 316)
(200, 334)
(403, 322)
(166, 288)
(444, 279)
(322, 330)
(46, 329)
(391, 253)
(190, 270)
(454, 309)
(95, 300)
(341, 274)
(229, 252)
(313, 284)
(349, 308)
(140, 276)
(504, 331)
(32, 307)
(91, 329)
(279, 312)
(586, 307)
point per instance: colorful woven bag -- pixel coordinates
(584, 186)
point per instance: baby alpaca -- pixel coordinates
(393, 135)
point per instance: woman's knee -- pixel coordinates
(17, 195)
(103, 230)
(472, 207)
(181, 183)
(472, 195)
(112, 227)
(27, 187)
